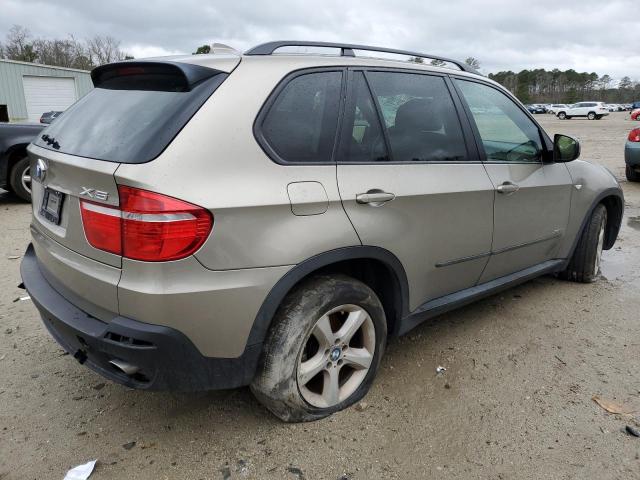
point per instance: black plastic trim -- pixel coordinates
(192, 74)
(168, 360)
(612, 228)
(295, 275)
(346, 49)
(455, 300)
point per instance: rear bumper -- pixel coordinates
(166, 359)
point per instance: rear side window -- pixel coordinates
(419, 116)
(367, 143)
(300, 125)
(132, 114)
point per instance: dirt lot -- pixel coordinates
(515, 401)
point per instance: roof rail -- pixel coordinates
(347, 50)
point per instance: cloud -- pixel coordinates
(586, 35)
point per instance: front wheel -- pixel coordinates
(20, 179)
(585, 262)
(562, 115)
(323, 351)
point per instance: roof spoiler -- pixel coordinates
(186, 75)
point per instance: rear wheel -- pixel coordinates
(591, 116)
(323, 351)
(632, 174)
(20, 179)
(562, 115)
(585, 262)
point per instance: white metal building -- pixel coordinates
(27, 90)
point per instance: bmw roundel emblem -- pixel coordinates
(41, 170)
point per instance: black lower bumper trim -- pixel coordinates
(165, 359)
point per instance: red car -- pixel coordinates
(635, 114)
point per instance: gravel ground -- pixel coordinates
(515, 401)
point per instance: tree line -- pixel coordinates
(67, 52)
(568, 86)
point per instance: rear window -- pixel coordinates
(133, 113)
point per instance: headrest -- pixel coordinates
(418, 114)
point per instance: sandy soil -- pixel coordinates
(515, 401)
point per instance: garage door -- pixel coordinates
(43, 94)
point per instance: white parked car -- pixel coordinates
(591, 110)
(556, 107)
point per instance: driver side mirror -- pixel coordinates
(565, 148)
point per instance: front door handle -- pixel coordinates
(507, 188)
(375, 197)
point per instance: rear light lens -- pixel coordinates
(634, 135)
(147, 226)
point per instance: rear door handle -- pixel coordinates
(375, 197)
(507, 188)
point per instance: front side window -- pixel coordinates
(419, 116)
(507, 133)
(301, 124)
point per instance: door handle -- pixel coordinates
(507, 188)
(375, 197)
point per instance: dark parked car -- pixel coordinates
(14, 164)
(537, 108)
(632, 155)
(48, 117)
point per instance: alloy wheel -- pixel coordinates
(599, 248)
(25, 179)
(336, 356)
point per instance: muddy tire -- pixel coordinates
(20, 180)
(585, 263)
(632, 174)
(323, 349)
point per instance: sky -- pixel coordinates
(599, 36)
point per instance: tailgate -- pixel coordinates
(67, 177)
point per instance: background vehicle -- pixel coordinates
(535, 108)
(590, 110)
(48, 117)
(269, 255)
(14, 163)
(635, 114)
(632, 155)
(555, 107)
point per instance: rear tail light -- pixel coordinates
(634, 135)
(147, 226)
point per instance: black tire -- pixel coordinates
(584, 264)
(632, 174)
(598, 117)
(562, 115)
(15, 179)
(591, 115)
(276, 383)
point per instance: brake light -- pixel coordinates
(147, 226)
(634, 135)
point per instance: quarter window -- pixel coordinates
(419, 117)
(301, 124)
(508, 135)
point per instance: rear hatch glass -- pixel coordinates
(134, 112)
